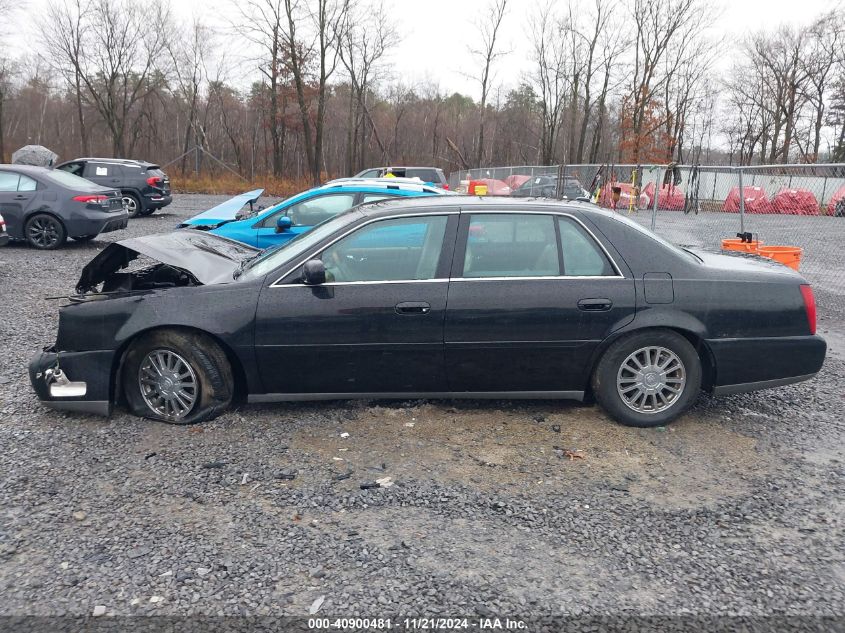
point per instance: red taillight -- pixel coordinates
(98, 199)
(446, 186)
(154, 181)
(809, 306)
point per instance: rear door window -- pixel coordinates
(101, 170)
(511, 245)
(8, 181)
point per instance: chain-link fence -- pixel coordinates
(799, 206)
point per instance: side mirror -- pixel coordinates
(314, 272)
(283, 224)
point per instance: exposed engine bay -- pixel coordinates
(182, 258)
(148, 278)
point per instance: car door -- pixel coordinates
(304, 214)
(525, 314)
(375, 326)
(17, 192)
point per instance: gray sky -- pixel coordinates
(435, 34)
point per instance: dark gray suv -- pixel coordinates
(145, 187)
(44, 207)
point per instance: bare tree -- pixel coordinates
(189, 51)
(63, 34)
(487, 53)
(263, 22)
(826, 56)
(365, 37)
(549, 57)
(658, 25)
(113, 49)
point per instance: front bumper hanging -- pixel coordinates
(75, 381)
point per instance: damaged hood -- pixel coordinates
(225, 211)
(209, 258)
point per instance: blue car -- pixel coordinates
(298, 214)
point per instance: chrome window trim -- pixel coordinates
(276, 283)
(562, 214)
(464, 211)
(439, 280)
(538, 278)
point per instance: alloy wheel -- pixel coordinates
(130, 204)
(168, 384)
(651, 379)
(44, 232)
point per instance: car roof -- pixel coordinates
(116, 161)
(26, 169)
(473, 204)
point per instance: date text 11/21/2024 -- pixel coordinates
(418, 624)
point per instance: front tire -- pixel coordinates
(45, 232)
(648, 379)
(177, 377)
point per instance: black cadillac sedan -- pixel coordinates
(455, 297)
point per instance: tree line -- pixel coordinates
(611, 81)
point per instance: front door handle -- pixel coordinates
(595, 305)
(21, 197)
(413, 307)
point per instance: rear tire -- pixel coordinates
(132, 204)
(177, 377)
(44, 232)
(648, 378)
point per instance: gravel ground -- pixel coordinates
(506, 507)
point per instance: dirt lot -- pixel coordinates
(515, 508)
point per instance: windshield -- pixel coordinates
(277, 256)
(71, 181)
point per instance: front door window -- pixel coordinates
(388, 250)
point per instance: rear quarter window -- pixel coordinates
(582, 256)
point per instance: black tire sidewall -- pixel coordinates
(604, 377)
(210, 366)
(62, 232)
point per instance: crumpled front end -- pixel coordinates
(73, 381)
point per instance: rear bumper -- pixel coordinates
(157, 201)
(750, 364)
(89, 372)
(96, 222)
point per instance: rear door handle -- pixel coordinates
(413, 307)
(595, 305)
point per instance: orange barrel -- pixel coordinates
(789, 255)
(736, 244)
